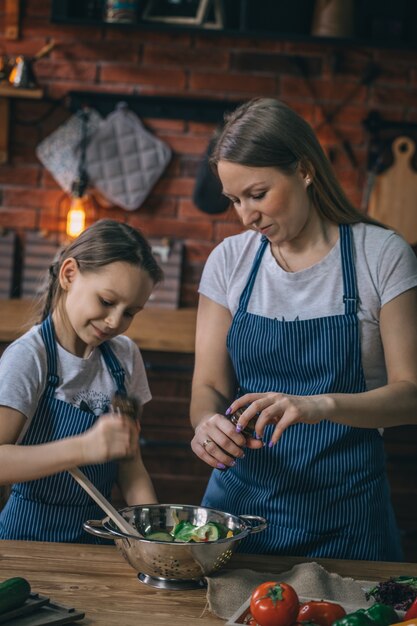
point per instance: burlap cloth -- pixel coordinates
(228, 590)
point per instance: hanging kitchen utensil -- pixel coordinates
(393, 199)
(207, 194)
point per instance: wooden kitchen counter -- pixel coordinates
(96, 580)
(164, 330)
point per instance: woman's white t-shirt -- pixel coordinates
(385, 267)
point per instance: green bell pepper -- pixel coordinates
(382, 614)
(376, 615)
(358, 618)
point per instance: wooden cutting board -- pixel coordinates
(393, 198)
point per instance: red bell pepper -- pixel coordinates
(412, 611)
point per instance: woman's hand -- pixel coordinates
(218, 444)
(113, 436)
(280, 409)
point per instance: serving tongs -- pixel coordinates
(127, 406)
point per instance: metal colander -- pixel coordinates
(175, 565)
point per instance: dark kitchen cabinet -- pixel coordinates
(401, 453)
(379, 23)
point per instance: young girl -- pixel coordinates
(57, 382)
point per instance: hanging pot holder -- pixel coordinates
(59, 152)
(124, 160)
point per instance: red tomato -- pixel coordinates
(274, 604)
(321, 612)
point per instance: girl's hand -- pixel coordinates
(280, 409)
(218, 444)
(113, 436)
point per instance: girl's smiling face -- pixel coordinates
(267, 200)
(98, 305)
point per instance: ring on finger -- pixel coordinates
(206, 442)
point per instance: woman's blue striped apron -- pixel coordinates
(322, 487)
(54, 508)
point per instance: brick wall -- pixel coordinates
(194, 65)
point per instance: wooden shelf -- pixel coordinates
(8, 91)
(275, 21)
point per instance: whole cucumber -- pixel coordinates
(13, 593)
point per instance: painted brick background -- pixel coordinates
(199, 65)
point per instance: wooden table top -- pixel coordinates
(98, 581)
(165, 330)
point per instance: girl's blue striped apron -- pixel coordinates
(322, 487)
(54, 508)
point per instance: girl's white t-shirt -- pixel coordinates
(385, 265)
(84, 383)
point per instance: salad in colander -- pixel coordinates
(186, 532)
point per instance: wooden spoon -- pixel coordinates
(121, 523)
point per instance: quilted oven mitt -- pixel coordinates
(59, 152)
(124, 160)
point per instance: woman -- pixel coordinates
(308, 322)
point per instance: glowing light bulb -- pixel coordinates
(76, 218)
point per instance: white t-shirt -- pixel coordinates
(84, 383)
(385, 267)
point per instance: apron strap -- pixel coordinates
(246, 293)
(350, 291)
(48, 336)
(114, 366)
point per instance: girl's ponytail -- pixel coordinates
(50, 291)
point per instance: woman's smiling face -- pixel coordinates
(267, 200)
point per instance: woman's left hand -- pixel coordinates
(280, 409)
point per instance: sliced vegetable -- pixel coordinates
(13, 593)
(185, 533)
(178, 527)
(223, 530)
(321, 612)
(274, 604)
(410, 622)
(208, 532)
(160, 535)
